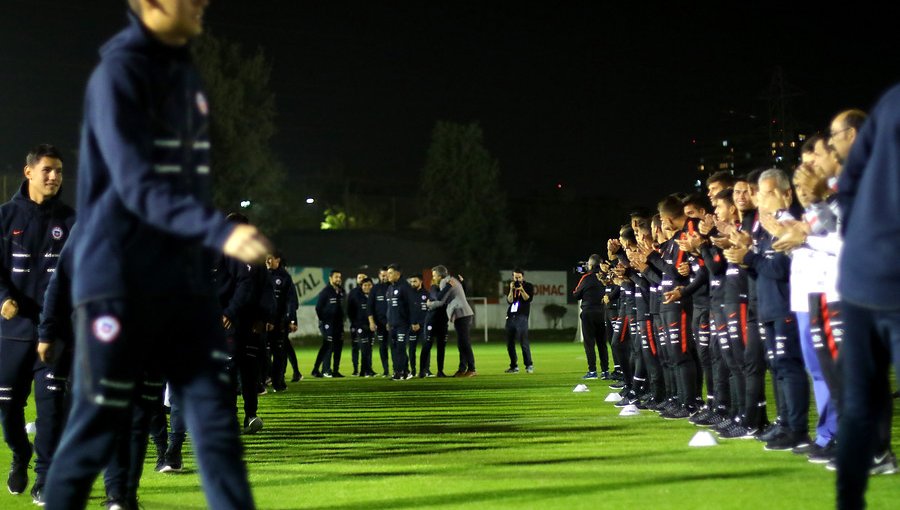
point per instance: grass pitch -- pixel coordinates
(493, 441)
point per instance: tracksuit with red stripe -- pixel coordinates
(647, 370)
(717, 378)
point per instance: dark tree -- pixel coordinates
(242, 118)
(466, 207)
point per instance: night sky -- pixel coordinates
(598, 98)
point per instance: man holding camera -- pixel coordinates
(519, 298)
(590, 290)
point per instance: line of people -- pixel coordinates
(712, 291)
(399, 314)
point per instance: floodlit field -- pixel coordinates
(493, 441)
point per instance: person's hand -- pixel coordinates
(613, 246)
(721, 242)
(771, 225)
(226, 322)
(684, 269)
(794, 235)
(387, 327)
(740, 239)
(725, 228)
(44, 351)
(372, 327)
(270, 327)
(292, 328)
(416, 328)
(605, 300)
(604, 267)
(691, 243)
(9, 309)
(706, 224)
(451, 283)
(672, 295)
(736, 255)
(247, 244)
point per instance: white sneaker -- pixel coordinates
(254, 425)
(529, 369)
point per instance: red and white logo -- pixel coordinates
(202, 104)
(106, 328)
(56, 233)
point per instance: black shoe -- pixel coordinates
(617, 375)
(824, 454)
(37, 494)
(355, 373)
(317, 374)
(770, 431)
(604, 375)
(787, 440)
(160, 461)
(511, 370)
(336, 374)
(806, 448)
(172, 462)
(280, 388)
(736, 431)
(617, 385)
(627, 400)
(253, 425)
(17, 481)
(441, 374)
(296, 377)
(398, 377)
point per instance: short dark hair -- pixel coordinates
(639, 212)
(697, 200)
(629, 236)
(722, 176)
(415, 275)
(44, 150)
(334, 272)
(519, 270)
(726, 195)
(671, 206)
(383, 268)
(366, 280)
(753, 175)
(395, 267)
(809, 146)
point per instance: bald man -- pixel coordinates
(844, 129)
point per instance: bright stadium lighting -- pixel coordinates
(245, 204)
(310, 200)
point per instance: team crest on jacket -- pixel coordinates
(201, 104)
(56, 233)
(277, 281)
(106, 328)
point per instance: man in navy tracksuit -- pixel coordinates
(142, 283)
(358, 314)
(35, 224)
(378, 318)
(869, 196)
(285, 296)
(330, 312)
(590, 291)
(403, 309)
(772, 270)
(417, 337)
(436, 326)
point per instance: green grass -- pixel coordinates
(493, 441)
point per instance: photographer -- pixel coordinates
(590, 290)
(519, 298)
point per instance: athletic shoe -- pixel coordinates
(511, 370)
(17, 481)
(441, 374)
(370, 374)
(398, 377)
(616, 385)
(470, 373)
(160, 461)
(37, 494)
(824, 454)
(327, 375)
(724, 423)
(355, 373)
(617, 375)
(296, 377)
(589, 375)
(335, 374)
(263, 391)
(680, 413)
(806, 448)
(279, 389)
(460, 373)
(421, 375)
(786, 440)
(428, 373)
(885, 464)
(735, 431)
(317, 374)
(770, 431)
(254, 425)
(604, 375)
(529, 369)
(700, 417)
(408, 375)
(627, 400)
(115, 504)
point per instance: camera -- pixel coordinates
(517, 284)
(581, 268)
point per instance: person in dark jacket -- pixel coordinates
(436, 328)
(402, 312)
(518, 300)
(358, 314)
(869, 198)
(330, 312)
(378, 318)
(417, 337)
(142, 284)
(34, 225)
(285, 295)
(590, 291)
